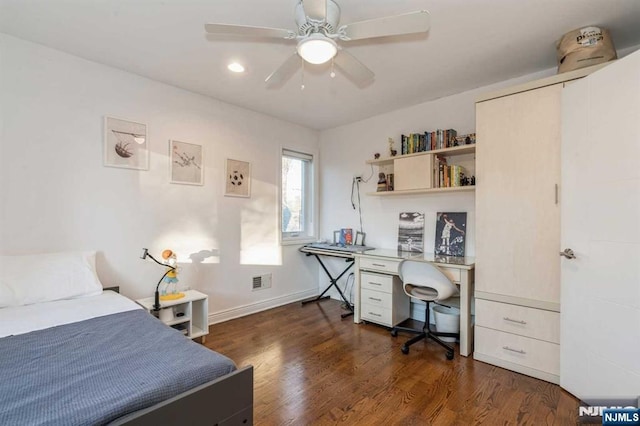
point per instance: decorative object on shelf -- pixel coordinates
(156, 301)
(376, 155)
(411, 232)
(382, 182)
(469, 139)
(125, 144)
(392, 152)
(238, 178)
(450, 234)
(186, 163)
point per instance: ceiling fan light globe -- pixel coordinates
(317, 49)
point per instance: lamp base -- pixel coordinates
(173, 296)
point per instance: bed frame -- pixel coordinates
(227, 400)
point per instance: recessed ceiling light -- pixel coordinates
(235, 67)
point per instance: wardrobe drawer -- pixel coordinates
(377, 282)
(376, 298)
(522, 320)
(383, 265)
(376, 314)
(525, 351)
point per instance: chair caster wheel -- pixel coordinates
(449, 356)
(405, 350)
(394, 332)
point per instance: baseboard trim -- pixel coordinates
(263, 305)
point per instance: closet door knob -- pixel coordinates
(568, 253)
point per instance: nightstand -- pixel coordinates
(188, 314)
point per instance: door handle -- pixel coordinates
(568, 253)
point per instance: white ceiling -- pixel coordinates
(471, 43)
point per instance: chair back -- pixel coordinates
(424, 281)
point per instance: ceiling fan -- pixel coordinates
(317, 32)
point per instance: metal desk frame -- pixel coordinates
(349, 258)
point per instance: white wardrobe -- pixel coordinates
(517, 279)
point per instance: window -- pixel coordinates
(298, 222)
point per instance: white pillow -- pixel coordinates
(37, 278)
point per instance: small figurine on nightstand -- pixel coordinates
(392, 151)
(171, 277)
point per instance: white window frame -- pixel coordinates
(311, 200)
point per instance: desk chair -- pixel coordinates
(424, 281)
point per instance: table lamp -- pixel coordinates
(145, 254)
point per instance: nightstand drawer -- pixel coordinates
(383, 265)
(532, 353)
(522, 320)
(377, 282)
(376, 298)
(376, 314)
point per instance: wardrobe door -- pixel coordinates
(517, 210)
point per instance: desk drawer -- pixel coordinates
(532, 353)
(376, 314)
(376, 298)
(383, 265)
(377, 282)
(522, 320)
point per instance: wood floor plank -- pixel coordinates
(312, 367)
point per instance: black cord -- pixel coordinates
(346, 286)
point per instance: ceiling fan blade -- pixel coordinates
(315, 9)
(353, 68)
(408, 23)
(284, 73)
(245, 30)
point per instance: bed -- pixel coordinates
(99, 358)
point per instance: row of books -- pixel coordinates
(429, 141)
(447, 176)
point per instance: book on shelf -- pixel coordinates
(428, 141)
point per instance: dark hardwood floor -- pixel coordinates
(311, 367)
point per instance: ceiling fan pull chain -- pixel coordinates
(333, 73)
(302, 78)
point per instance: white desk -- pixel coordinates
(383, 263)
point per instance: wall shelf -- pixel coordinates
(424, 191)
(445, 152)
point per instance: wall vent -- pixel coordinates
(261, 281)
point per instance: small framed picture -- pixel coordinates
(238, 178)
(125, 144)
(186, 163)
(359, 238)
(336, 237)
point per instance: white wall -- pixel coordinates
(55, 193)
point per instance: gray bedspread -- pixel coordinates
(95, 371)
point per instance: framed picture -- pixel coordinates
(238, 178)
(125, 144)
(336, 238)
(411, 232)
(451, 229)
(359, 238)
(186, 163)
